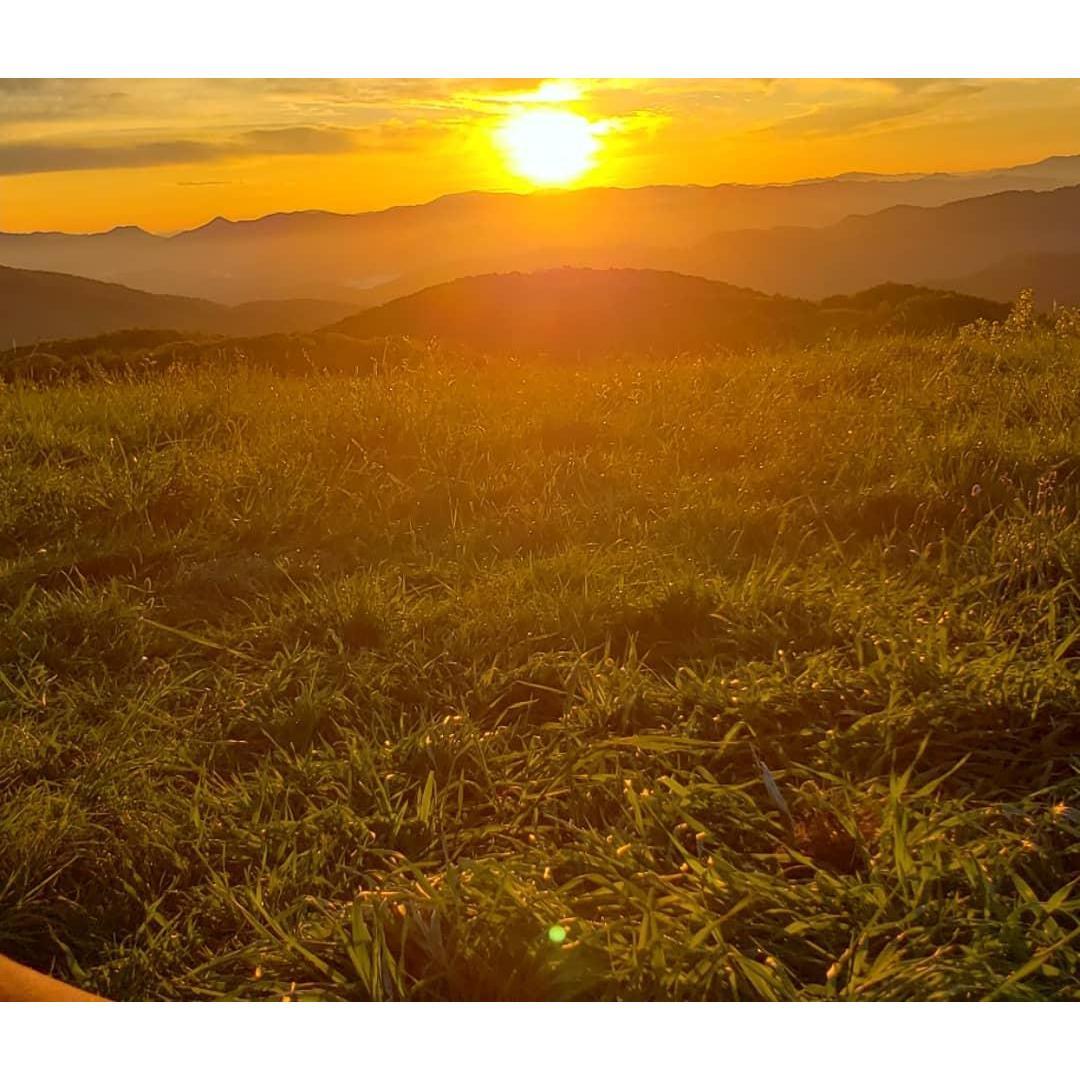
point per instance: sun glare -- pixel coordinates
(548, 146)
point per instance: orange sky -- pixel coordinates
(84, 155)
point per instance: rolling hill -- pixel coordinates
(566, 313)
(582, 311)
(39, 305)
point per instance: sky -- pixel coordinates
(87, 155)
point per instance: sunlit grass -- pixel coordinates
(463, 680)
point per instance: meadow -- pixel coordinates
(737, 676)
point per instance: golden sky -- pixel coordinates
(85, 155)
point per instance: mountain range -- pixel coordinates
(902, 243)
(806, 239)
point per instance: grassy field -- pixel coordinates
(460, 679)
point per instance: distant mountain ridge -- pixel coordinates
(1054, 277)
(39, 305)
(370, 257)
(906, 243)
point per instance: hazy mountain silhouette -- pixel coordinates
(1055, 277)
(370, 257)
(570, 311)
(908, 243)
(38, 305)
(102, 256)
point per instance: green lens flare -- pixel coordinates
(557, 934)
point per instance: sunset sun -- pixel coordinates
(548, 146)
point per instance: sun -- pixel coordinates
(548, 146)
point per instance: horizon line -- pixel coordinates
(849, 176)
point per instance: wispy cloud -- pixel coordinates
(41, 157)
(36, 100)
(886, 104)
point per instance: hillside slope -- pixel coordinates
(39, 305)
(583, 310)
(905, 243)
(1054, 276)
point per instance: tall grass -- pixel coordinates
(358, 687)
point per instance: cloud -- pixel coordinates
(29, 100)
(390, 96)
(162, 107)
(294, 140)
(894, 102)
(21, 86)
(24, 158)
(18, 159)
